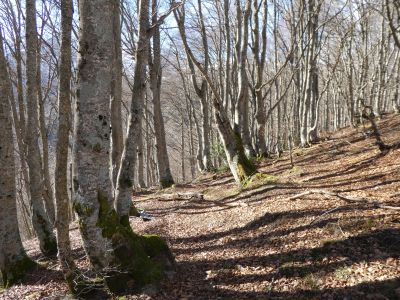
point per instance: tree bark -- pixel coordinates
(113, 248)
(239, 164)
(13, 260)
(117, 142)
(125, 178)
(241, 125)
(40, 219)
(64, 127)
(165, 176)
(91, 181)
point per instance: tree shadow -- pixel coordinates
(305, 265)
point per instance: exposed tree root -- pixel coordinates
(368, 114)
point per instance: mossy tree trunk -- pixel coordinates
(241, 125)
(40, 219)
(123, 258)
(91, 150)
(240, 166)
(13, 259)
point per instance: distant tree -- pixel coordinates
(116, 96)
(164, 170)
(240, 166)
(393, 15)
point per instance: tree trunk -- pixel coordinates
(261, 144)
(165, 176)
(91, 181)
(13, 260)
(124, 258)
(241, 126)
(240, 166)
(125, 178)
(117, 142)
(64, 126)
(40, 219)
(140, 158)
(47, 189)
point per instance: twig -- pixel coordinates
(325, 213)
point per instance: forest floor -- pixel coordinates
(270, 240)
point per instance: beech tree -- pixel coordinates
(40, 219)
(13, 260)
(164, 171)
(64, 127)
(111, 245)
(239, 164)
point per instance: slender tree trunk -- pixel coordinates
(140, 158)
(261, 144)
(117, 142)
(123, 195)
(183, 150)
(64, 126)
(242, 103)
(165, 176)
(13, 260)
(40, 219)
(47, 189)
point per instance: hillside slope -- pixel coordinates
(272, 240)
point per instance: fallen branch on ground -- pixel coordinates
(345, 198)
(184, 196)
(329, 211)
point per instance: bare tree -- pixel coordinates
(165, 176)
(13, 260)
(40, 219)
(64, 127)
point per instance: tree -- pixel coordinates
(393, 13)
(117, 138)
(64, 126)
(165, 176)
(260, 43)
(117, 253)
(40, 219)
(125, 176)
(241, 124)
(13, 260)
(239, 164)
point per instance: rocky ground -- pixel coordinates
(321, 229)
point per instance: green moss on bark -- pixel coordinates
(166, 182)
(16, 271)
(48, 245)
(133, 212)
(141, 260)
(245, 168)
